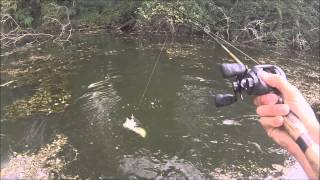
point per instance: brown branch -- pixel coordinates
(15, 33)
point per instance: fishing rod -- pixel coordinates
(234, 57)
(215, 37)
(249, 81)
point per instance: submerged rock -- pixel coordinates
(145, 167)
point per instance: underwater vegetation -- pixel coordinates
(46, 163)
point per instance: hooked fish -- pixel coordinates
(132, 125)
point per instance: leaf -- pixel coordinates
(28, 21)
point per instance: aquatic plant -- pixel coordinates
(48, 75)
(47, 163)
(41, 102)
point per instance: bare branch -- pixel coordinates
(12, 33)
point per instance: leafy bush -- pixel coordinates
(290, 22)
(277, 22)
(100, 12)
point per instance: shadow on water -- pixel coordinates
(187, 137)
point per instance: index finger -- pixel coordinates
(266, 99)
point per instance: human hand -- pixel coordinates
(272, 116)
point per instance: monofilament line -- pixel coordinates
(239, 50)
(152, 72)
(207, 30)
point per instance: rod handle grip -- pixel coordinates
(295, 128)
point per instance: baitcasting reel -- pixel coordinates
(247, 80)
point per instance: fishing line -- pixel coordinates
(214, 36)
(152, 72)
(206, 29)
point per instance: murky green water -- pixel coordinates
(187, 136)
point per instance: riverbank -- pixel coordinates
(290, 24)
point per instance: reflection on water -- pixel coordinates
(97, 102)
(35, 134)
(188, 138)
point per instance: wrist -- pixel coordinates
(308, 160)
(303, 161)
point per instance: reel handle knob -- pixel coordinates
(232, 69)
(224, 99)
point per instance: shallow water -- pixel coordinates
(187, 136)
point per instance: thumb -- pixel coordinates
(278, 82)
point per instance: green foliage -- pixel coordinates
(8, 6)
(100, 12)
(51, 10)
(273, 21)
(174, 11)
(24, 18)
(277, 22)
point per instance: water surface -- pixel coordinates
(187, 136)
